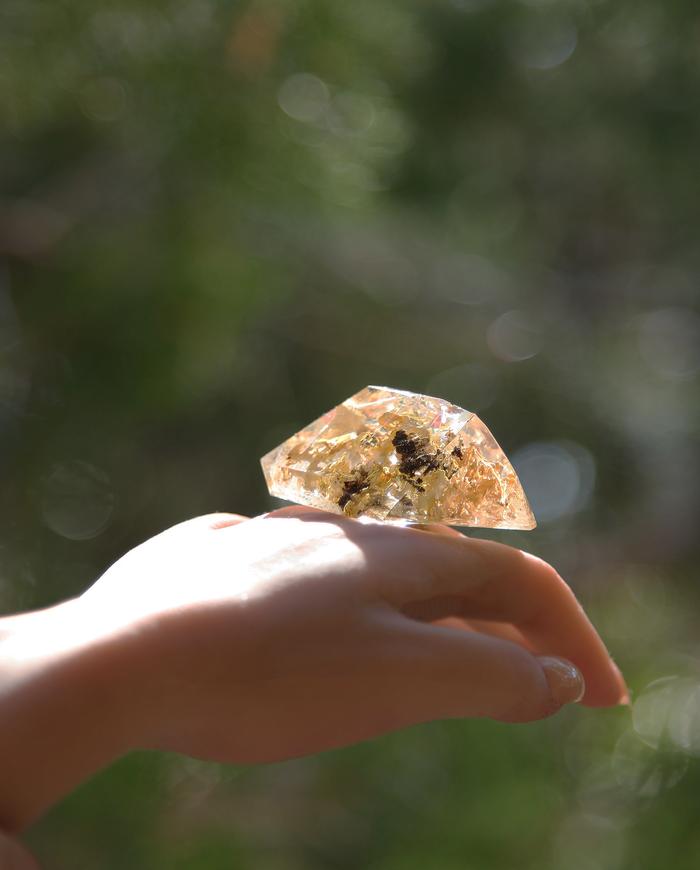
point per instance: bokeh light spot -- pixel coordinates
(304, 97)
(662, 704)
(639, 769)
(468, 279)
(77, 500)
(472, 386)
(589, 841)
(514, 336)
(558, 477)
(669, 341)
(352, 114)
(684, 719)
(545, 42)
(104, 99)
(667, 715)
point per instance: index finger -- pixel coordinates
(486, 580)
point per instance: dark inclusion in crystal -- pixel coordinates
(383, 453)
(353, 486)
(414, 459)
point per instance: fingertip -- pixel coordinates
(611, 693)
(605, 684)
(624, 696)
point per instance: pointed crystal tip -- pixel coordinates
(394, 455)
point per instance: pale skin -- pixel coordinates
(255, 640)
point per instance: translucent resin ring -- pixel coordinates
(394, 455)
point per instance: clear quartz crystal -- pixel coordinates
(394, 455)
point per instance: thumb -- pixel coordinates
(463, 674)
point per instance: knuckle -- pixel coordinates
(287, 511)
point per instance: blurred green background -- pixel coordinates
(217, 221)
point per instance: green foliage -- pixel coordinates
(218, 220)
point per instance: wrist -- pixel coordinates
(68, 707)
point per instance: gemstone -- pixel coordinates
(394, 455)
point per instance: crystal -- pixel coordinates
(394, 455)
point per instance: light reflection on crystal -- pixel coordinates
(393, 455)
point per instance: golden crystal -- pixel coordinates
(394, 455)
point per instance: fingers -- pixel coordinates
(433, 572)
(451, 673)
(301, 510)
(484, 580)
(437, 529)
(504, 630)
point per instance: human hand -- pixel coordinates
(256, 640)
(299, 631)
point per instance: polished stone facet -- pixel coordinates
(395, 455)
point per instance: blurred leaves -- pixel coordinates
(219, 219)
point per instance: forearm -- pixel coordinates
(64, 711)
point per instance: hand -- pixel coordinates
(256, 640)
(300, 630)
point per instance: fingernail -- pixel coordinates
(565, 681)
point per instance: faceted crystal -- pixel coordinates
(395, 455)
